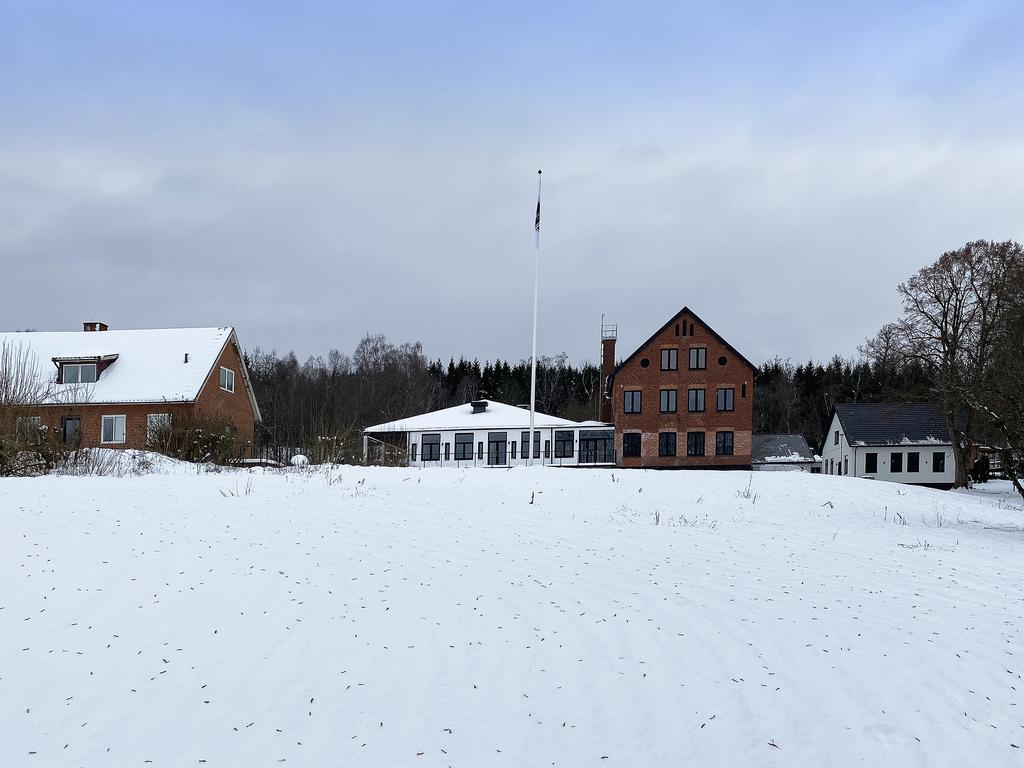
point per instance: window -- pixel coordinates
(835, 440)
(112, 429)
(723, 443)
(722, 360)
(227, 379)
(695, 400)
(78, 373)
(432, 447)
(631, 444)
(939, 461)
(677, 329)
(870, 463)
(480, 450)
(668, 400)
(513, 449)
(846, 465)
(631, 402)
(896, 462)
(698, 358)
(536, 444)
(644, 362)
(743, 390)
(563, 444)
(725, 399)
(463, 446)
(412, 455)
(667, 444)
(448, 451)
(913, 461)
(670, 359)
(157, 425)
(547, 449)
(694, 443)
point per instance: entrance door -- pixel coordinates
(71, 431)
(597, 447)
(497, 444)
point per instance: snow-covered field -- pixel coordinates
(531, 617)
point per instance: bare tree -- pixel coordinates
(952, 311)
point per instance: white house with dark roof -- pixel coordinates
(896, 442)
(485, 433)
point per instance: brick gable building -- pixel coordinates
(684, 398)
(113, 389)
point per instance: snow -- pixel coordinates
(395, 617)
(298, 460)
(792, 457)
(496, 416)
(150, 365)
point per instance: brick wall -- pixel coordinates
(681, 333)
(235, 406)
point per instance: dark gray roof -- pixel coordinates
(892, 423)
(768, 447)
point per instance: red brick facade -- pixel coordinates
(724, 369)
(212, 401)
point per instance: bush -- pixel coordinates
(26, 447)
(197, 438)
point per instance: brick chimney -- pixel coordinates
(94, 325)
(608, 335)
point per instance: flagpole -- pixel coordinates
(533, 353)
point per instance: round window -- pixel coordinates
(722, 360)
(644, 363)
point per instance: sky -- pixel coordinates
(310, 172)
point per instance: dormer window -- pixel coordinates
(227, 379)
(78, 373)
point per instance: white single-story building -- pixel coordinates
(783, 453)
(897, 442)
(489, 434)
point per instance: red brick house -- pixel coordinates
(684, 398)
(113, 389)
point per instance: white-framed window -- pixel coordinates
(227, 379)
(156, 423)
(78, 373)
(112, 429)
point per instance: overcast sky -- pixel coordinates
(309, 172)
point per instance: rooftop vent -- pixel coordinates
(479, 406)
(94, 325)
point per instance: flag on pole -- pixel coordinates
(536, 226)
(536, 221)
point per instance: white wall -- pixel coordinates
(832, 454)
(772, 466)
(547, 434)
(926, 473)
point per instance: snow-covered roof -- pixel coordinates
(149, 367)
(495, 416)
(893, 423)
(781, 449)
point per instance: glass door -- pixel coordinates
(497, 449)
